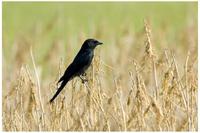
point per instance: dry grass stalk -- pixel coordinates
(151, 55)
(39, 89)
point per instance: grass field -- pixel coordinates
(144, 77)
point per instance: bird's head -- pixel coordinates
(91, 44)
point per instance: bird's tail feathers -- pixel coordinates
(61, 79)
(58, 91)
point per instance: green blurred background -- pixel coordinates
(74, 18)
(40, 24)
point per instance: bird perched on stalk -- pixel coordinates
(79, 65)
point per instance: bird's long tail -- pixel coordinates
(58, 91)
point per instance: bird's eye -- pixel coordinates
(95, 41)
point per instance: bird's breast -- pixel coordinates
(89, 59)
(85, 61)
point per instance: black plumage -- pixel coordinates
(79, 65)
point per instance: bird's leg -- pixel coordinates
(82, 79)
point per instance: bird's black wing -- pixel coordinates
(82, 59)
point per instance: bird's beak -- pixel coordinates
(100, 43)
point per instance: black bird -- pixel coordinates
(79, 65)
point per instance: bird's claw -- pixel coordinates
(84, 81)
(84, 74)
